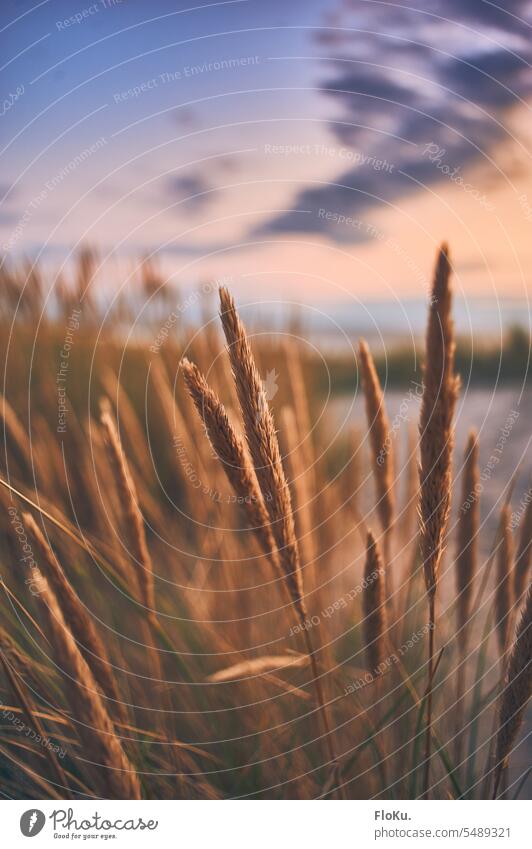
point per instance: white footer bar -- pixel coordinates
(266, 824)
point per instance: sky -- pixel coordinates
(313, 151)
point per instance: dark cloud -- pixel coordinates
(493, 79)
(198, 188)
(512, 16)
(405, 78)
(191, 188)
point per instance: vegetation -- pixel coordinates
(480, 365)
(204, 594)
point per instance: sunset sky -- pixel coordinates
(308, 150)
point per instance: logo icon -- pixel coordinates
(269, 385)
(268, 392)
(32, 822)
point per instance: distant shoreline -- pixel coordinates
(401, 365)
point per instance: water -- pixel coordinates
(503, 421)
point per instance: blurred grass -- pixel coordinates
(485, 364)
(212, 612)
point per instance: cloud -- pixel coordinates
(511, 17)
(191, 188)
(199, 188)
(403, 78)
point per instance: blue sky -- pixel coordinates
(315, 148)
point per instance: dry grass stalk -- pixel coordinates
(300, 402)
(379, 434)
(134, 526)
(101, 746)
(503, 589)
(468, 528)
(436, 430)
(33, 721)
(231, 452)
(523, 556)
(266, 456)
(466, 566)
(16, 433)
(125, 413)
(258, 666)
(411, 496)
(373, 606)
(436, 444)
(187, 454)
(45, 457)
(131, 511)
(110, 507)
(300, 398)
(80, 621)
(264, 448)
(351, 473)
(13, 654)
(516, 694)
(295, 462)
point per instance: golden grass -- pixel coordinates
(84, 631)
(379, 434)
(266, 456)
(133, 520)
(466, 565)
(516, 693)
(264, 448)
(523, 555)
(114, 774)
(373, 606)
(436, 438)
(192, 562)
(503, 589)
(232, 455)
